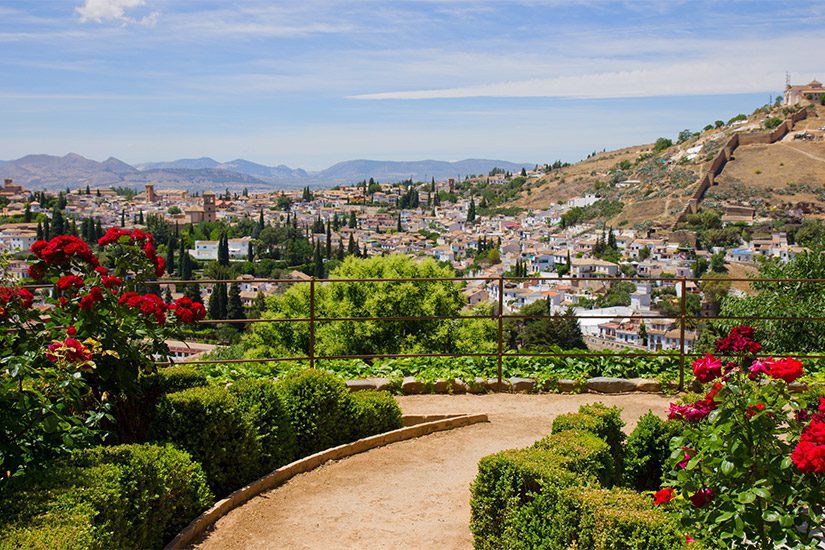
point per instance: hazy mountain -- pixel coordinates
(187, 164)
(73, 170)
(421, 170)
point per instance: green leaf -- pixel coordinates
(747, 497)
(727, 467)
(762, 492)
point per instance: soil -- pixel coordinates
(412, 494)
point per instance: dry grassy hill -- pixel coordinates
(786, 175)
(655, 186)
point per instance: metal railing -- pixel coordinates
(313, 319)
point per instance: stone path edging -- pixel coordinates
(601, 384)
(415, 426)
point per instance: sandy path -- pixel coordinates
(412, 494)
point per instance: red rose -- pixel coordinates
(36, 271)
(701, 497)
(71, 331)
(788, 369)
(664, 495)
(707, 368)
(69, 282)
(160, 266)
(754, 409)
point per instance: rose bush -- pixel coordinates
(749, 467)
(71, 368)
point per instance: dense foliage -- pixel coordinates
(558, 494)
(748, 469)
(74, 377)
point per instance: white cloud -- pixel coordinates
(101, 11)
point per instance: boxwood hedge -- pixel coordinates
(555, 494)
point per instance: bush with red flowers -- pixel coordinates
(71, 375)
(749, 467)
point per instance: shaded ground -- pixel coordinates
(412, 494)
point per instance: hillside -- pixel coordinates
(656, 186)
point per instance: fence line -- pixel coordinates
(499, 316)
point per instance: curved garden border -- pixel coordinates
(415, 426)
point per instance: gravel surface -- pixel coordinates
(411, 494)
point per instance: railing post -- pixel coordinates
(312, 323)
(682, 315)
(500, 326)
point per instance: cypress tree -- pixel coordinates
(123, 218)
(40, 235)
(471, 211)
(250, 254)
(351, 248)
(193, 292)
(329, 241)
(140, 217)
(98, 230)
(318, 262)
(27, 213)
(47, 232)
(340, 254)
(170, 254)
(58, 223)
(234, 306)
(353, 221)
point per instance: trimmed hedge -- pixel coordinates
(581, 453)
(374, 412)
(601, 420)
(646, 452)
(260, 403)
(319, 407)
(127, 496)
(179, 377)
(551, 495)
(507, 481)
(209, 424)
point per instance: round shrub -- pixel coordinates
(128, 496)
(208, 423)
(582, 453)
(319, 407)
(646, 452)
(374, 412)
(261, 404)
(601, 420)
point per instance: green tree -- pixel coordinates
(662, 144)
(471, 211)
(364, 299)
(545, 330)
(58, 222)
(234, 306)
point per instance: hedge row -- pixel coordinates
(207, 440)
(561, 493)
(252, 427)
(126, 496)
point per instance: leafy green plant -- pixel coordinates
(210, 425)
(374, 412)
(747, 470)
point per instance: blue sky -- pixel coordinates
(309, 83)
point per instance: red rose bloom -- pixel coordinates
(188, 311)
(740, 339)
(754, 409)
(809, 453)
(664, 495)
(71, 331)
(693, 412)
(707, 368)
(111, 282)
(63, 249)
(69, 282)
(36, 271)
(11, 298)
(701, 497)
(788, 369)
(160, 266)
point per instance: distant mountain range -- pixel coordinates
(73, 170)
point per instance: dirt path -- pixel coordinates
(413, 494)
(807, 154)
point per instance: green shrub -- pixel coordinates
(208, 423)
(374, 412)
(647, 449)
(261, 404)
(509, 480)
(180, 377)
(319, 407)
(601, 420)
(128, 496)
(590, 517)
(582, 453)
